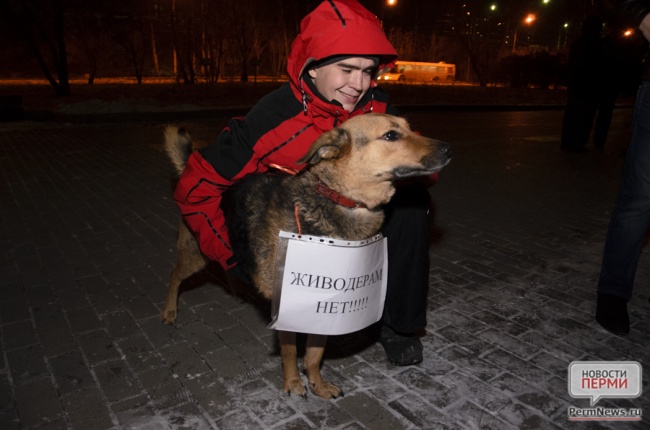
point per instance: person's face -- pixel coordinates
(345, 81)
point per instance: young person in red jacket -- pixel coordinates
(332, 68)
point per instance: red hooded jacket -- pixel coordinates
(282, 125)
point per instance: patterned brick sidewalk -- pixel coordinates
(87, 237)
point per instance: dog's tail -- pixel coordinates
(178, 146)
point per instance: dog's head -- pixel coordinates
(365, 155)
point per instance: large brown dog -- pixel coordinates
(356, 162)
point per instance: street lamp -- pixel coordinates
(530, 18)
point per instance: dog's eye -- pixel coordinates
(392, 136)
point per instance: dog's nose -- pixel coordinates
(445, 148)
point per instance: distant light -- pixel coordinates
(566, 25)
(391, 2)
(493, 7)
(530, 18)
(546, 1)
(629, 32)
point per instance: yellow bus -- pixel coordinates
(417, 71)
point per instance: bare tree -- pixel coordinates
(280, 24)
(88, 36)
(213, 31)
(131, 32)
(243, 34)
(405, 44)
(185, 39)
(41, 23)
(482, 44)
(277, 54)
(136, 44)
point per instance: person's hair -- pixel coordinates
(336, 58)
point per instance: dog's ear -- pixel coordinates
(327, 147)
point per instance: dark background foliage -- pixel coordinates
(243, 40)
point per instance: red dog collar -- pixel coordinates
(326, 191)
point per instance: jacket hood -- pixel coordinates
(338, 27)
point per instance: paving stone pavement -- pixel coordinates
(87, 238)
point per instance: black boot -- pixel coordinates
(611, 314)
(401, 349)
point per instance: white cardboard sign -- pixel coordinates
(328, 286)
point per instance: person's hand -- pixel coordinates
(645, 27)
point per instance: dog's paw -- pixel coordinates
(326, 390)
(295, 387)
(168, 316)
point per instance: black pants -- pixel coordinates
(631, 216)
(407, 229)
(578, 119)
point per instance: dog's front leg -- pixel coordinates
(313, 359)
(288, 351)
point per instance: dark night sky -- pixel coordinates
(424, 13)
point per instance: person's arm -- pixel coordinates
(645, 27)
(212, 170)
(198, 195)
(208, 174)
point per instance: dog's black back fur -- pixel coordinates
(239, 207)
(250, 204)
